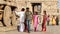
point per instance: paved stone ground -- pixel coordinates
(50, 30)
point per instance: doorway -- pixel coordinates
(36, 7)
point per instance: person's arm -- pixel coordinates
(38, 19)
(25, 16)
(33, 17)
(31, 14)
(17, 13)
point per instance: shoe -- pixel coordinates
(28, 32)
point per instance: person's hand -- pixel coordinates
(17, 16)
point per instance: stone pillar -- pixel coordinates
(14, 21)
(7, 16)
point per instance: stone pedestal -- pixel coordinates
(10, 28)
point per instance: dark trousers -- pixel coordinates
(26, 29)
(57, 23)
(28, 25)
(48, 23)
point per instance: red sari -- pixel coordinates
(44, 23)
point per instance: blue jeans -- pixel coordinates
(28, 24)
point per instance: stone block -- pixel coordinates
(1, 23)
(10, 28)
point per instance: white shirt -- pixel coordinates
(21, 14)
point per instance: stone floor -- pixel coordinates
(50, 30)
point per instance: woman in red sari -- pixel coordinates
(44, 21)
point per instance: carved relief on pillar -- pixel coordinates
(1, 6)
(7, 16)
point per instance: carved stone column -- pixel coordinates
(14, 21)
(7, 16)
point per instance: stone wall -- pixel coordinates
(49, 5)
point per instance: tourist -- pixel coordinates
(53, 21)
(44, 21)
(57, 20)
(21, 15)
(26, 28)
(35, 17)
(48, 20)
(28, 18)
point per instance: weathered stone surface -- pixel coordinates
(48, 5)
(10, 28)
(7, 16)
(14, 21)
(1, 14)
(1, 25)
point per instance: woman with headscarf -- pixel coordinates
(44, 21)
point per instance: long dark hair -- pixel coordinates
(45, 12)
(35, 13)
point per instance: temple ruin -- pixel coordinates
(7, 6)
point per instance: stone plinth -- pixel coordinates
(10, 28)
(1, 24)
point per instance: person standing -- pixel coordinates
(48, 20)
(57, 20)
(35, 18)
(28, 18)
(44, 21)
(21, 15)
(53, 21)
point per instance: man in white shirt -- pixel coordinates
(21, 15)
